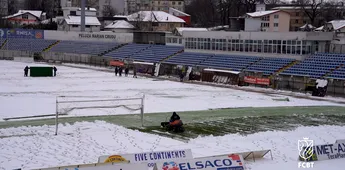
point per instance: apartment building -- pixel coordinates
(134, 6)
(267, 21)
(298, 17)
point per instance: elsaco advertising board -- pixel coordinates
(150, 158)
(227, 162)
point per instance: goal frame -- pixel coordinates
(142, 104)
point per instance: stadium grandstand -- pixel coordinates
(297, 54)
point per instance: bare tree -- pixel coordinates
(108, 10)
(203, 12)
(312, 8)
(137, 19)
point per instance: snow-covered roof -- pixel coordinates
(337, 24)
(307, 25)
(261, 13)
(121, 16)
(120, 24)
(172, 11)
(154, 16)
(75, 20)
(21, 12)
(223, 71)
(88, 9)
(319, 29)
(181, 29)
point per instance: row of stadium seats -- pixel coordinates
(145, 52)
(83, 47)
(317, 66)
(34, 45)
(338, 74)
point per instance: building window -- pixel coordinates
(275, 24)
(265, 24)
(297, 14)
(25, 16)
(304, 21)
(74, 26)
(73, 13)
(296, 21)
(87, 26)
(276, 16)
(180, 3)
(173, 3)
(265, 18)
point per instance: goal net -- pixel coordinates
(98, 105)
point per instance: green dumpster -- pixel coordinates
(41, 71)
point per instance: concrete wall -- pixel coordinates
(252, 24)
(61, 35)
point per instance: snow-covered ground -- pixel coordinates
(37, 96)
(84, 142)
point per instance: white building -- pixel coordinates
(71, 20)
(26, 17)
(118, 5)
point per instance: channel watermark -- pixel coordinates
(306, 151)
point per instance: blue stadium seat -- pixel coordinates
(33, 45)
(83, 47)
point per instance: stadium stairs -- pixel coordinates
(3, 44)
(287, 66)
(112, 49)
(50, 46)
(170, 56)
(332, 70)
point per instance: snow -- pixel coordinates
(88, 9)
(181, 29)
(75, 20)
(37, 96)
(154, 16)
(261, 13)
(84, 142)
(120, 24)
(176, 12)
(21, 12)
(223, 71)
(337, 24)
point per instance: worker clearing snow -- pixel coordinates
(175, 124)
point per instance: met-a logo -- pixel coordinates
(206, 164)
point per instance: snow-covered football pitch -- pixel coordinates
(218, 120)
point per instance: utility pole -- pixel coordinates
(82, 16)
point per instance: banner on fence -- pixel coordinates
(227, 162)
(21, 33)
(101, 166)
(323, 152)
(148, 157)
(116, 63)
(255, 80)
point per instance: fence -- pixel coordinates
(9, 55)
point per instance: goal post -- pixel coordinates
(80, 103)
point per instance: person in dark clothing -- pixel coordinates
(120, 71)
(55, 69)
(191, 75)
(116, 71)
(174, 117)
(26, 70)
(181, 76)
(135, 72)
(126, 71)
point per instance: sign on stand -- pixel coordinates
(227, 162)
(150, 158)
(328, 151)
